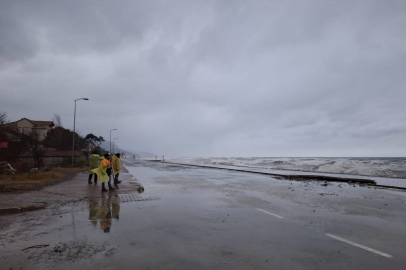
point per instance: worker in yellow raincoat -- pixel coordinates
(101, 172)
(116, 162)
(94, 161)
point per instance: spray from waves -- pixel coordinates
(380, 167)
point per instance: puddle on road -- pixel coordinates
(103, 210)
(100, 212)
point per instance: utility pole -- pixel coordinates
(110, 138)
(74, 126)
(113, 144)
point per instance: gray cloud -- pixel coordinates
(213, 78)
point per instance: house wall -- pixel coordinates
(24, 126)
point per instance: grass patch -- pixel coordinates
(36, 180)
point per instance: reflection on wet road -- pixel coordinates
(103, 210)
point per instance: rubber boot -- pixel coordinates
(110, 187)
(90, 179)
(116, 181)
(103, 188)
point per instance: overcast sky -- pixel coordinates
(213, 78)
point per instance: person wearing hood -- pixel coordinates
(94, 161)
(116, 162)
(102, 173)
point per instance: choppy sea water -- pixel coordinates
(377, 167)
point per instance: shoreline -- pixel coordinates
(299, 176)
(295, 170)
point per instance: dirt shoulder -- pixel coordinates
(28, 181)
(53, 194)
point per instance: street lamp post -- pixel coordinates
(110, 138)
(113, 143)
(74, 126)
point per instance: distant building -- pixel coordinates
(26, 126)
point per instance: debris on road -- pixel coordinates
(36, 246)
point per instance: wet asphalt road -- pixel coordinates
(214, 219)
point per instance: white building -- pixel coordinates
(26, 126)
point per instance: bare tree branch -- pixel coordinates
(57, 120)
(3, 118)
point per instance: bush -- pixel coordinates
(80, 162)
(20, 166)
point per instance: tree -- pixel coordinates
(32, 142)
(57, 120)
(3, 118)
(12, 137)
(94, 140)
(3, 132)
(61, 139)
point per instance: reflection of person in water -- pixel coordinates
(93, 206)
(104, 212)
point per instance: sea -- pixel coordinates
(375, 167)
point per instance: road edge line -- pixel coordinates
(269, 213)
(359, 245)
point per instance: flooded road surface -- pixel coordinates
(197, 218)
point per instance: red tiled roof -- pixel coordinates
(35, 122)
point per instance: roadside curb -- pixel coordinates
(124, 169)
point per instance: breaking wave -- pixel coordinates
(379, 167)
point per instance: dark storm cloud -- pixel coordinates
(213, 78)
